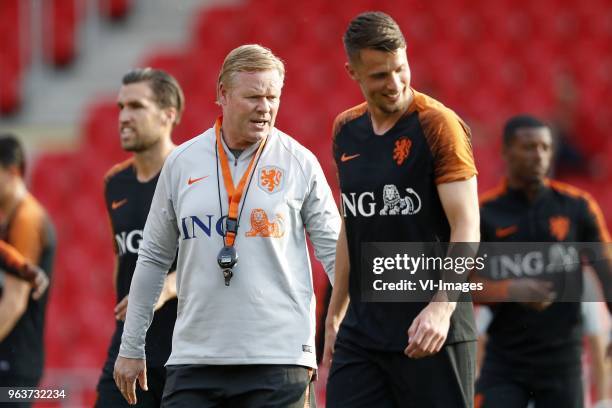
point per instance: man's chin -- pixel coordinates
(133, 148)
(393, 108)
(536, 179)
(259, 134)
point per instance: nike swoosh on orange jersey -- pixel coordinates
(195, 180)
(346, 158)
(117, 204)
(504, 232)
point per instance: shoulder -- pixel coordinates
(292, 146)
(434, 114)
(347, 116)
(491, 196)
(572, 193)
(192, 146)
(304, 159)
(29, 214)
(567, 189)
(118, 169)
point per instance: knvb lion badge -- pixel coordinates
(271, 179)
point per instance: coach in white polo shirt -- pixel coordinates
(237, 202)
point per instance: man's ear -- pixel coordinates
(505, 151)
(350, 70)
(14, 171)
(222, 94)
(170, 115)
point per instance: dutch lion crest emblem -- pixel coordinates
(271, 179)
(395, 204)
(262, 226)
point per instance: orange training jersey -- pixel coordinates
(128, 202)
(389, 194)
(522, 339)
(30, 232)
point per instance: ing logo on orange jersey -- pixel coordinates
(271, 179)
(559, 227)
(261, 226)
(401, 150)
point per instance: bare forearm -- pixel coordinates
(600, 374)
(13, 304)
(460, 203)
(339, 300)
(115, 273)
(168, 291)
(9, 315)
(340, 294)
(170, 285)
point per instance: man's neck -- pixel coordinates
(530, 189)
(382, 121)
(231, 142)
(149, 162)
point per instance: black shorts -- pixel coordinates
(504, 388)
(367, 378)
(109, 395)
(239, 386)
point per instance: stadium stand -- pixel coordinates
(61, 27)
(486, 61)
(14, 53)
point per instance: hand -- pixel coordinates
(538, 306)
(428, 331)
(168, 291)
(38, 280)
(331, 332)
(532, 293)
(121, 309)
(163, 298)
(127, 370)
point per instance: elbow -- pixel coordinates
(467, 231)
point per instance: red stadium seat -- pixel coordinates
(61, 25)
(14, 53)
(487, 60)
(115, 9)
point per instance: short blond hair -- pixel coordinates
(249, 58)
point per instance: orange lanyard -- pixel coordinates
(234, 194)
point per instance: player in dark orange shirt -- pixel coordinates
(150, 105)
(24, 225)
(534, 349)
(406, 174)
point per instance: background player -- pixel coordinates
(533, 349)
(399, 140)
(25, 226)
(150, 105)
